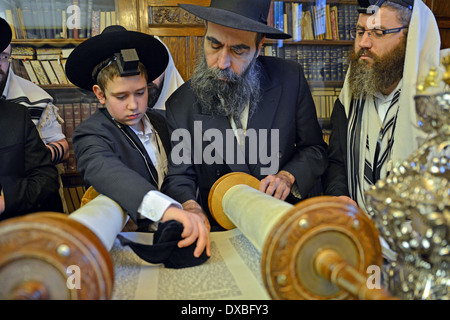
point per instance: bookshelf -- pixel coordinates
(320, 43)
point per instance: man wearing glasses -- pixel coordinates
(374, 123)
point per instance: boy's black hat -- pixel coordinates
(5, 34)
(248, 15)
(86, 56)
(365, 4)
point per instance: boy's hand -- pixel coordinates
(194, 228)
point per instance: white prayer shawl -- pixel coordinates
(422, 53)
(172, 80)
(40, 104)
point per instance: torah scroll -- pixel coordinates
(320, 248)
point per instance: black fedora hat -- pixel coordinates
(5, 34)
(248, 15)
(86, 56)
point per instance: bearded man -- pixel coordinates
(238, 108)
(374, 123)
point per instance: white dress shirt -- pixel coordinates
(154, 203)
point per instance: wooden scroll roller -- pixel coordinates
(50, 255)
(318, 249)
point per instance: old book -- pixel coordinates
(95, 27)
(30, 71)
(19, 69)
(44, 51)
(40, 73)
(49, 71)
(19, 52)
(68, 121)
(85, 111)
(102, 20)
(65, 52)
(59, 72)
(9, 19)
(23, 31)
(76, 114)
(334, 23)
(328, 29)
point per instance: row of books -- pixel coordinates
(42, 66)
(40, 53)
(314, 21)
(324, 99)
(320, 63)
(53, 19)
(73, 114)
(41, 72)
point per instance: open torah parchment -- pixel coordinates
(233, 272)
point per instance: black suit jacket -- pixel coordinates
(335, 178)
(27, 175)
(113, 160)
(286, 105)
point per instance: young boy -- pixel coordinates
(122, 149)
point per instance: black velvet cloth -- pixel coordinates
(165, 250)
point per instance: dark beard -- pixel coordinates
(384, 73)
(227, 98)
(153, 94)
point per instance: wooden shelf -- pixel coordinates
(313, 42)
(47, 42)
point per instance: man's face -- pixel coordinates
(126, 99)
(4, 67)
(227, 48)
(369, 47)
(377, 63)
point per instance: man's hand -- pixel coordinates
(194, 228)
(278, 185)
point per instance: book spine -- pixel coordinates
(40, 73)
(327, 63)
(50, 73)
(76, 114)
(334, 64)
(341, 21)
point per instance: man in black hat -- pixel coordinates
(40, 104)
(28, 179)
(43, 112)
(242, 112)
(122, 149)
(374, 123)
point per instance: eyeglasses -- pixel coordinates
(4, 57)
(375, 33)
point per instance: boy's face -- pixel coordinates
(126, 99)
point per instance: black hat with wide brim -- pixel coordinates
(86, 56)
(5, 34)
(247, 15)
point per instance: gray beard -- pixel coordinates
(227, 98)
(385, 71)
